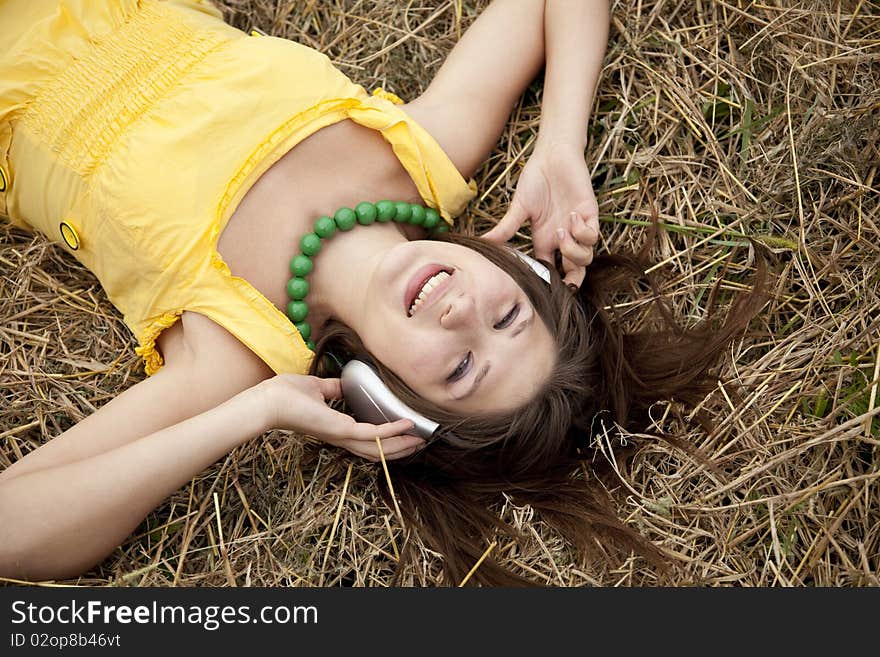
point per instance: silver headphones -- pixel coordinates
(369, 398)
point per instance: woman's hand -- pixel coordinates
(299, 403)
(555, 192)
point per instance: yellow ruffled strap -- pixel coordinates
(147, 350)
(5, 174)
(387, 95)
(438, 181)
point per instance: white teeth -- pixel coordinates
(431, 283)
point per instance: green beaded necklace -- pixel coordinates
(345, 219)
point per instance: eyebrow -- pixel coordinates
(487, 367)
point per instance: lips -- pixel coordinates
(418, 280)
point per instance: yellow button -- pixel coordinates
(69, 235)
(3, 180)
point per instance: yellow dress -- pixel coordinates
(129, 132)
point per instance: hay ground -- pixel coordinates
(730, 119)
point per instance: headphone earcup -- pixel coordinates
(371, 400)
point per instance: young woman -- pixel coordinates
(184, 161)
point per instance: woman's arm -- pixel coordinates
(575, 34)
(470, 99)
(554, 190)
(204, 366)
(59, 521)
(72, 500)
(69, 503)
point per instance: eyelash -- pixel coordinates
(459, 371)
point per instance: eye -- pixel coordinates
(508, 319)
(462, 368)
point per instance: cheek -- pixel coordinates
(416, 364)
(421, 361)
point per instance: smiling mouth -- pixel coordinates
(419, 296)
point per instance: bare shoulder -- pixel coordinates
(211, 355)
(443, 124)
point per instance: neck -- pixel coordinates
(344, 267)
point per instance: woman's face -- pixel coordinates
(473, 343)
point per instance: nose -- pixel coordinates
(461, 312)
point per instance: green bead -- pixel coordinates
(310, 244)
(297, 288)
(301, 265)
(305, 330)
(297, 311)
(310, 345)
(418, 215)
(345, 218)
(442, 228)
(403, 212)
(431, 218)
(325, 227)
(366, 213)
(385, 211)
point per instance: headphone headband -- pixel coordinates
(539, 268)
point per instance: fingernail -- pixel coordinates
(560, 233)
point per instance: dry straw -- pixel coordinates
(734, 120)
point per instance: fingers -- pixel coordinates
(395, 442)
(394, 447)
(509, 223)
(576, 253)
(331, 388)
(576, 246)
(366, 432)
(573, 273)
(584, 230)
(359, 438)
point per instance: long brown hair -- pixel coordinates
(450, 490)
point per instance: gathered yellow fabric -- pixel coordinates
(127, 132)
